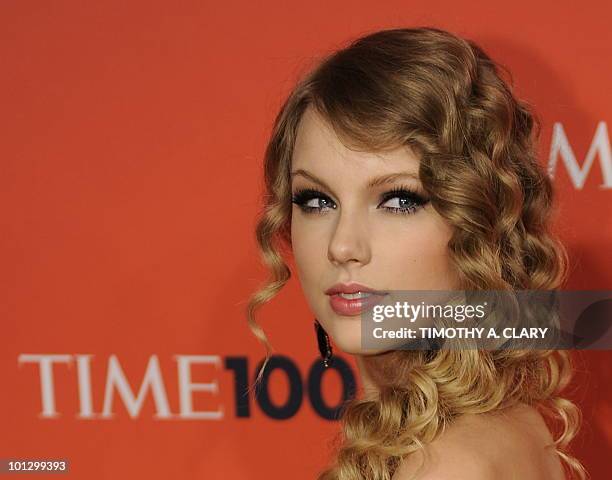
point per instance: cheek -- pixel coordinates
(300, 243)
(309, 249)
(421, 249)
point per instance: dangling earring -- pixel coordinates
(324, 345)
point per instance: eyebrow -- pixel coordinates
(374, 182)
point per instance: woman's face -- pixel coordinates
(361, 218)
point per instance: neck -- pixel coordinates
(370, 389)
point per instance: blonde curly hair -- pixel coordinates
(445, 97)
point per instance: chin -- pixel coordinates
(346, 336)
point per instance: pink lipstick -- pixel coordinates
(352, 299)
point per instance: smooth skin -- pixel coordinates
(355, 229)
(355, 236)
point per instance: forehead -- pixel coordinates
(317, 147)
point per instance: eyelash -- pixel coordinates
(303, 196)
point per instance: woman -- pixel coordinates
(404, 162)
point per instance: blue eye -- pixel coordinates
(312, 201)
(403, 200)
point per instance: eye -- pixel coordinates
(403, 200)
(312, 201)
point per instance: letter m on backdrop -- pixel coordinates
(560, 148)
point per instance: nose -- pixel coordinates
(350, 240)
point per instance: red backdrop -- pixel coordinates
(131, 148)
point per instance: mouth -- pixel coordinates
(355, 296)
(353, 299)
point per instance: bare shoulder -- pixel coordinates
(505, 445)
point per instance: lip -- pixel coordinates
(352, 287)
(352, 307)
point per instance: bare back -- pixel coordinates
(503, 445)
